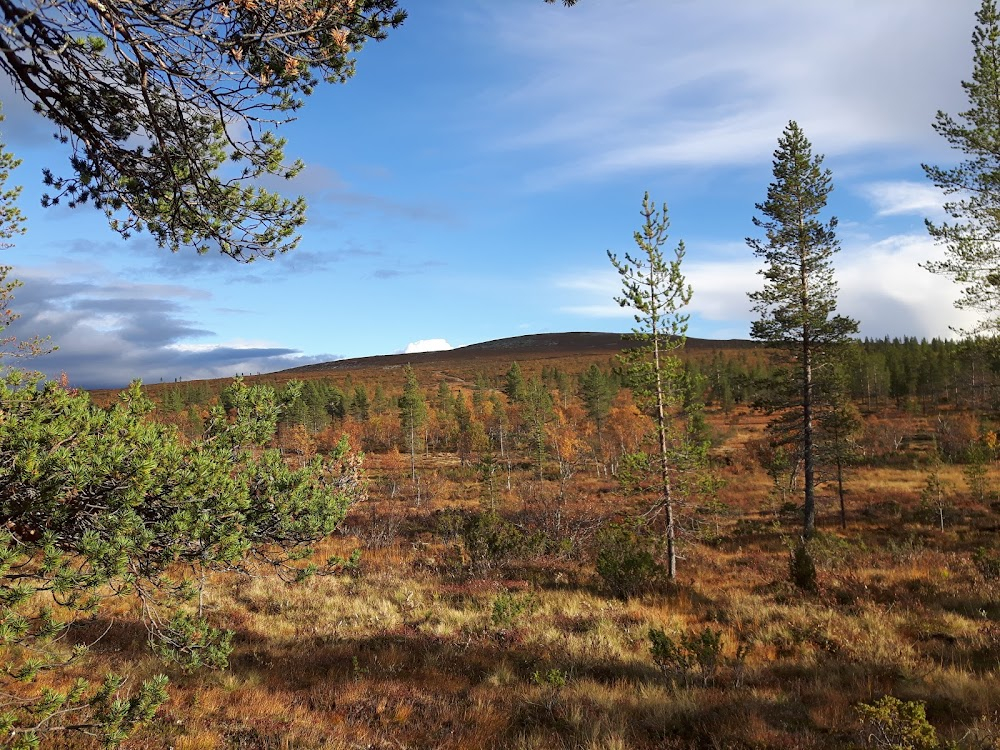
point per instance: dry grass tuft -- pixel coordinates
(419, 649)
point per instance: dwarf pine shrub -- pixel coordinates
(692, 655)
(508, 608)
(627, 559)
(802, 568)
(489, 539)
(892, 724)
(101, 502)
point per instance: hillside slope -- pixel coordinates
(529, 347)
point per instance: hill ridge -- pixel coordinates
(530, 345)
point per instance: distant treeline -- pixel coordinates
(904, 373)
(504, 411)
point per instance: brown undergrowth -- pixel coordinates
(427, 646)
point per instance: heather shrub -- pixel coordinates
(987, 562)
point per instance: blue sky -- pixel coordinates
(466, 184)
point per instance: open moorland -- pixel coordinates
(578, 541)
(509, 591)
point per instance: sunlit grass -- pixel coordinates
(415, 649)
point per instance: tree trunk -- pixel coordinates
(808, 467)
(413, 455)
(661, 424)
(840, 492)
(413, 463)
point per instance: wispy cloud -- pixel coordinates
(646, 84)
(406, 268)
(332, 197)
(609, 311)
(902, 197)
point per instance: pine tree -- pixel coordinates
(656, 289)
(380, 400)
(514, 386)
(360, 404)
(934, 498)
(797, 304)
(480, 390)
(597, 391)
(537, 407)
(464, 427)
(973, 186)
(412, 415)
(839, 425)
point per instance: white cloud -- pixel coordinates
(884, 287)
(234, 345)
(881, 284)
(599, 311)
(647, 84)
(599, 288)
(719, 291)
(427, 345)
(903, 197)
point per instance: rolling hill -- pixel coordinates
(539, 346)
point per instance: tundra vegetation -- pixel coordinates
(203, 565)
(513, 596)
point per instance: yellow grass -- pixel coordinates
(407, 653)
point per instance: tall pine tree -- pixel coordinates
(797, 304)
(973, 187)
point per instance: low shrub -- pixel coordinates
(508, 608)
(802, 568)
(987, 562)
(491, 541)
(830, 551)
(627, 559)
(692, 655)
(892, 724)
